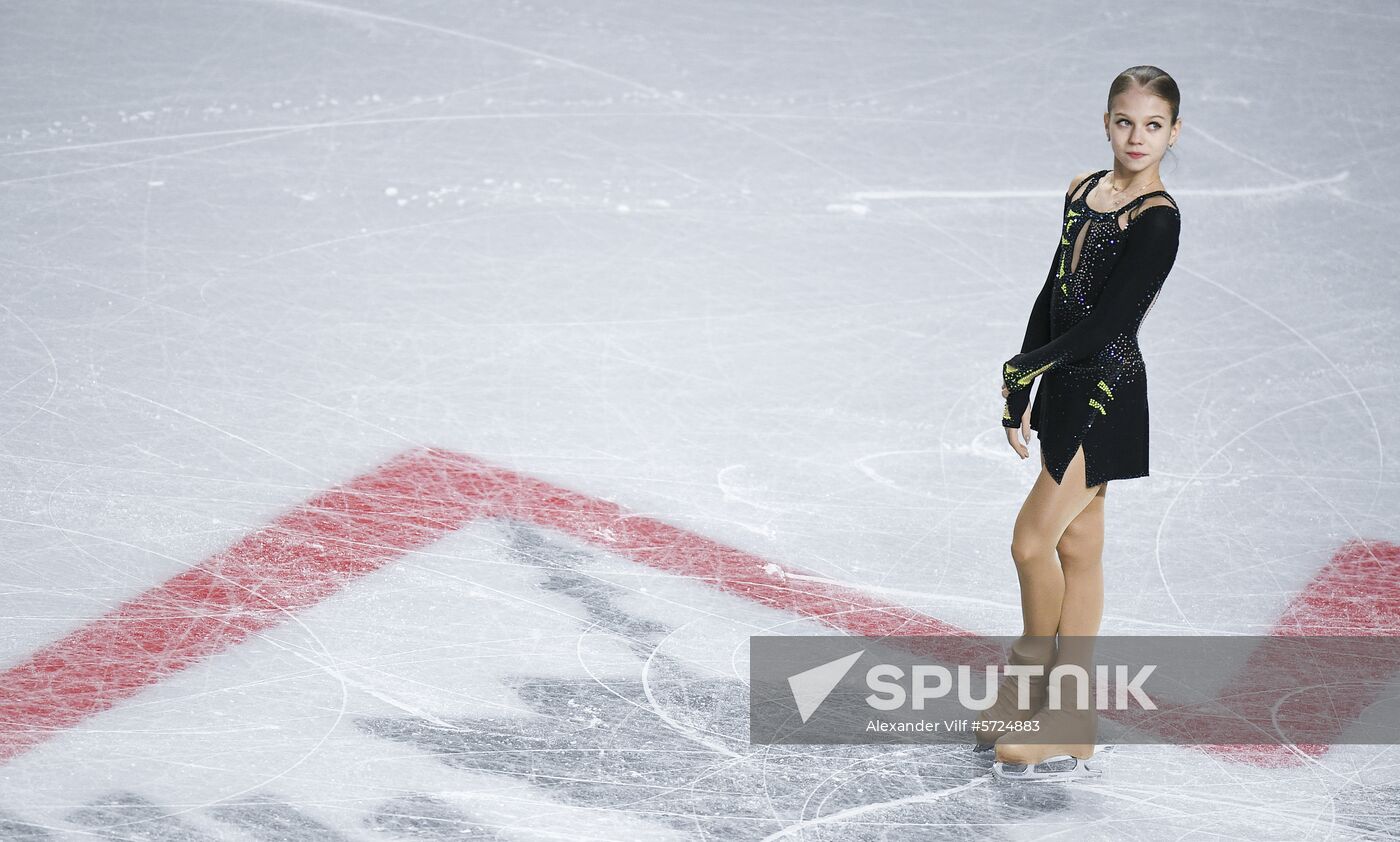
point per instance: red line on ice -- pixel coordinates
(411, 501)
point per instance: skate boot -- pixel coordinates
(1058, 740)
(1073, 733)
(992, 723)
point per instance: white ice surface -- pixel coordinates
(750, 269)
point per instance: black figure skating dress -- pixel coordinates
(1081, 339)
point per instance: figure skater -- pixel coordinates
(1118, 242)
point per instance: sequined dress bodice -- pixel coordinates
(1082, 337)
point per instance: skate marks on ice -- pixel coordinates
(130, 817)
(408, 817)
(268, 820)
(19, 830)
(425, 817)
(672, 747)
(125, 815)
(1374, 810)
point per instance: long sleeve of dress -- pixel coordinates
(1037, 334)
(1132, 285)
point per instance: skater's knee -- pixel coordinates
(1075, 538)
(1079, 555)
(1030, 549)
(1082, 541)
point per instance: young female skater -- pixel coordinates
(1118, 242)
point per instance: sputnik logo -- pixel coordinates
(811, 687)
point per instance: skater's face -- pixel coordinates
(1139, 125)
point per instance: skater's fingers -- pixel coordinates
(1012, 437)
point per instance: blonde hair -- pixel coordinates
(1154, 80)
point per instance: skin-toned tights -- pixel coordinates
(1065, 520)
(1058, 549)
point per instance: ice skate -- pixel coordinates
(1060, 767)
(1027, 650)
(1074, 732)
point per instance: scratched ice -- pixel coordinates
(743, 269)
(674, 748)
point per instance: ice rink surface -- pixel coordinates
(747, 271)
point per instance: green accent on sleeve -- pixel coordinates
(1025, 379)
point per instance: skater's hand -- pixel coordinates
(1019, 437)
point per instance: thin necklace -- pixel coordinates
(1121, 199)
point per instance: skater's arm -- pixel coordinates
(1037, 334)
(1038, 326)
(1135, 280)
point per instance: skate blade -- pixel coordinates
(983, 748)
(1061, 767)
